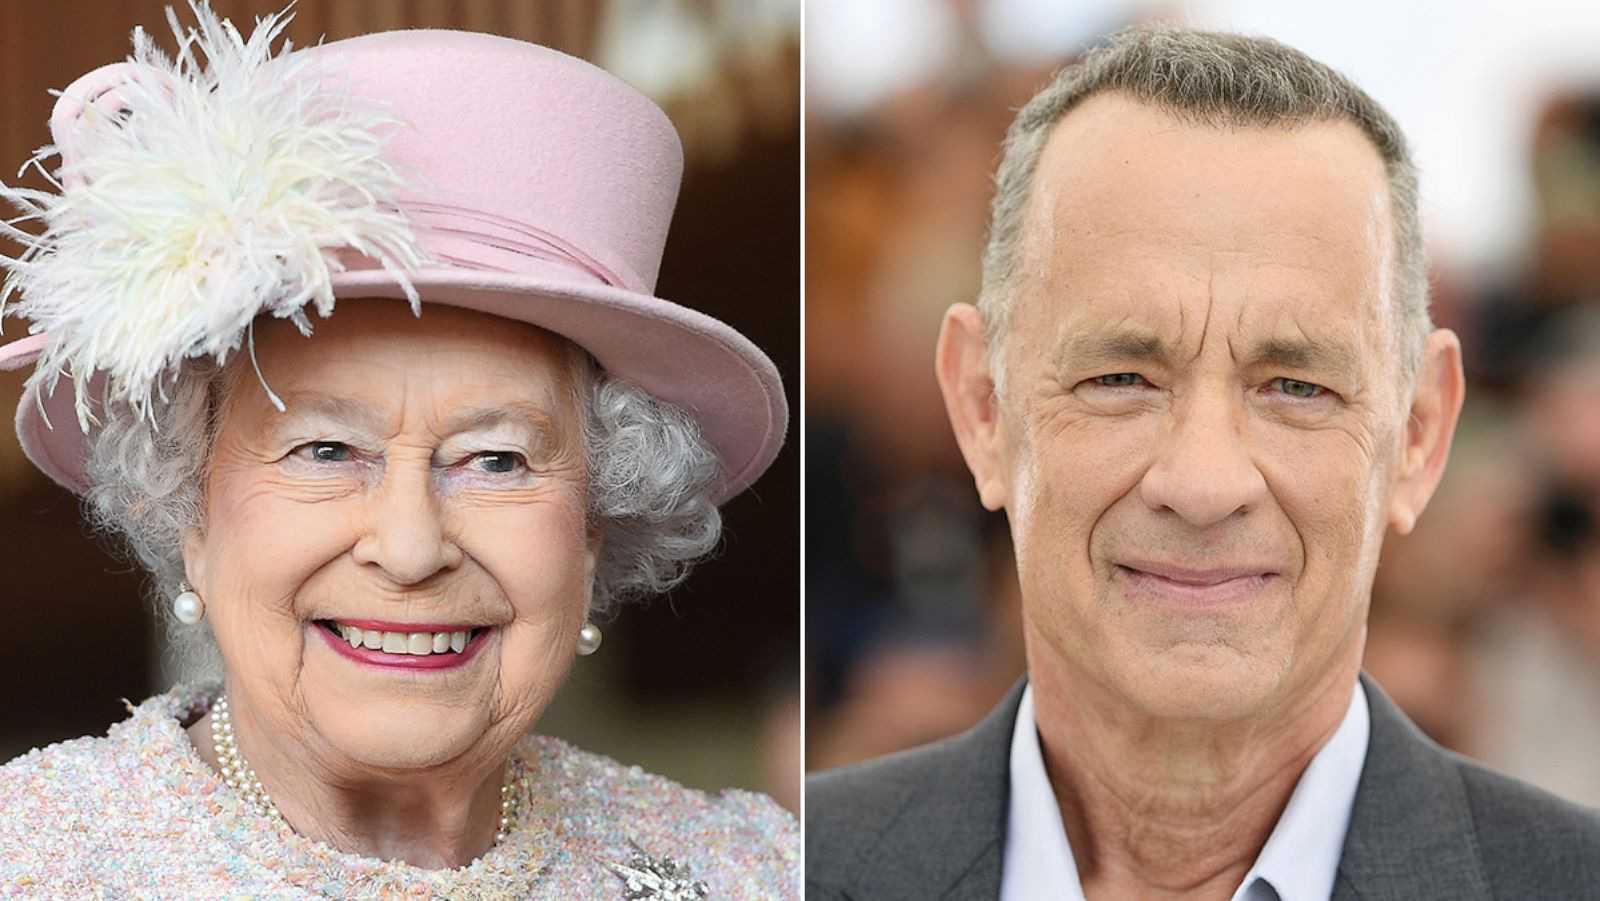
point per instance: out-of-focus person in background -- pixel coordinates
(1536, 681)
(357, 349)
(1202, 383)
(1500, 104)
(701, 686)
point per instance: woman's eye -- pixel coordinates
(325, 451)
(1119, 380)
(498, 462)
(1297, 388)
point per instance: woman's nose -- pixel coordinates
(1204, 470)
(404, 534)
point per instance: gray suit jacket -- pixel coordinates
(1427, 824)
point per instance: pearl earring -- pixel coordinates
(588, 639)
(187, 606)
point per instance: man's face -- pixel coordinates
(1203, 410)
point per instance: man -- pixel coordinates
(1202, 383)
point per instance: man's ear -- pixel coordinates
(962, 364)
(1435, 407)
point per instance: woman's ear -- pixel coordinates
(596, 541)
(194, 558)
(1430, 426)
(962, 365)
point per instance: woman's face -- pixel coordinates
(426, 480)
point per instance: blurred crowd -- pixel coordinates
(1485, 623)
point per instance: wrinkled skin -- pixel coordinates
(426, 471)
(1203, 436)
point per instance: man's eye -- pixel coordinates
(498, 462)
(1297, 388)
(1119, 380)
(325, 451)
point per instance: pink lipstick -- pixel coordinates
(411, 646)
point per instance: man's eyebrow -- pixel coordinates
(1093, 347)
(1302, 355)
(1289, 353)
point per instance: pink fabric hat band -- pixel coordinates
(472, 239)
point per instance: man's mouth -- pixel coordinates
(1194, 586)
(413, 641)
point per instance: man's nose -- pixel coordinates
(1204, 469)
(404, 535)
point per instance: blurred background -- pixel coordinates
(1485, 623)
(702, 686)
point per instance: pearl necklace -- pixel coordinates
(238, 775)
(235, 771)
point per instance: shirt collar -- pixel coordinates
(1298, 862)
(1301, 856)
(1038, 859)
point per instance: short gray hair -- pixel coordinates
(1215, 79)
(650, 478)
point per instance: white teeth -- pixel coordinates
(418, 644)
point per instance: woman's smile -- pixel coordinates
(501, 436)
(457, 598)
(424, 646)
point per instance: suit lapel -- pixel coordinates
(948, 839)
(1411, 830)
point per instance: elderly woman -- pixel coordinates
(355, 347)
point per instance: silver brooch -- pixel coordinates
(652, 879)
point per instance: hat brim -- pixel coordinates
(679, 355)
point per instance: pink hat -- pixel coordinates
(541, 188)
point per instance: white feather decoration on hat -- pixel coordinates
(203, 194)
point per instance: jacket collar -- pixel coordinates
(1410, 834)
(1411, 831)
(951, 840)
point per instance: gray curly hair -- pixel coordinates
(1216, 79)
(650, 478)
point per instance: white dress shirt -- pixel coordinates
(1297, 863)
